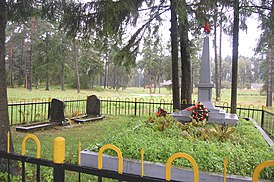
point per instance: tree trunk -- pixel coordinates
(26, 69)
(220, 54)
(92, 82)
(159, 84)
(185, 59)
(270, 57)
(30, 58)
(217, 87)
(37, 84)
(150, 83)
(269, 79)
(62, 76)
(115, 81)
(22, 74)
(155, 83)
(235, 58)
(47, 81)
(106, 74)
(4, 122)
(11, 62)
(76, 67)
(174, 57)
(145, 76)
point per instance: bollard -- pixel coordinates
(142, 162)
(59, 159)
(225, 166)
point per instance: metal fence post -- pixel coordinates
(49, 101)
(262, 119)
(58, 159)
(135, 107)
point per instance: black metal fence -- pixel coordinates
(94, 173)
(267, 123)
(38, 110)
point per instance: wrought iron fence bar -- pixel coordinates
(238, 108)
(38, 173)
(8, 169)
(267, 112)
(23, 171)
(76, 168)
(29, 103)
(27, 159)
(110, 174)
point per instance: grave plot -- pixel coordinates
(93, 108)
(56, 118)
(242, 145)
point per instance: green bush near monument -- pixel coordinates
(243, 145)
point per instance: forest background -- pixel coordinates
(40, 55)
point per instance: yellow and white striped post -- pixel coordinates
(59, 149)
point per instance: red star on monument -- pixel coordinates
(206, 28)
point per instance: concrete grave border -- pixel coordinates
(156, 170)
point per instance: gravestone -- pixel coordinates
(216, 115)
(57, 108)
(93, 106)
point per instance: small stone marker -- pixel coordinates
(57, 108)
(93, 106)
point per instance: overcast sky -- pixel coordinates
(247, 40)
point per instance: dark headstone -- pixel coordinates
(93, 106)
(57, 108)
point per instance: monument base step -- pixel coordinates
(228, 119)
(216, 115)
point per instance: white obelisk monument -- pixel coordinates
(216, 115)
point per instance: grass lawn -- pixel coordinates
(245, 96)
(245, 148)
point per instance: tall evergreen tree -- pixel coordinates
(235, 57)
(3, 87)
(174, 56)
(186, 80)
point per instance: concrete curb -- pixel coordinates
(156, 170)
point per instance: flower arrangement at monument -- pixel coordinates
(161, 120)
(199, 114)
(161, 112)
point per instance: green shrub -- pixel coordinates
(242, 145)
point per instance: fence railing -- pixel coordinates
(60, 167)
(38, 110)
